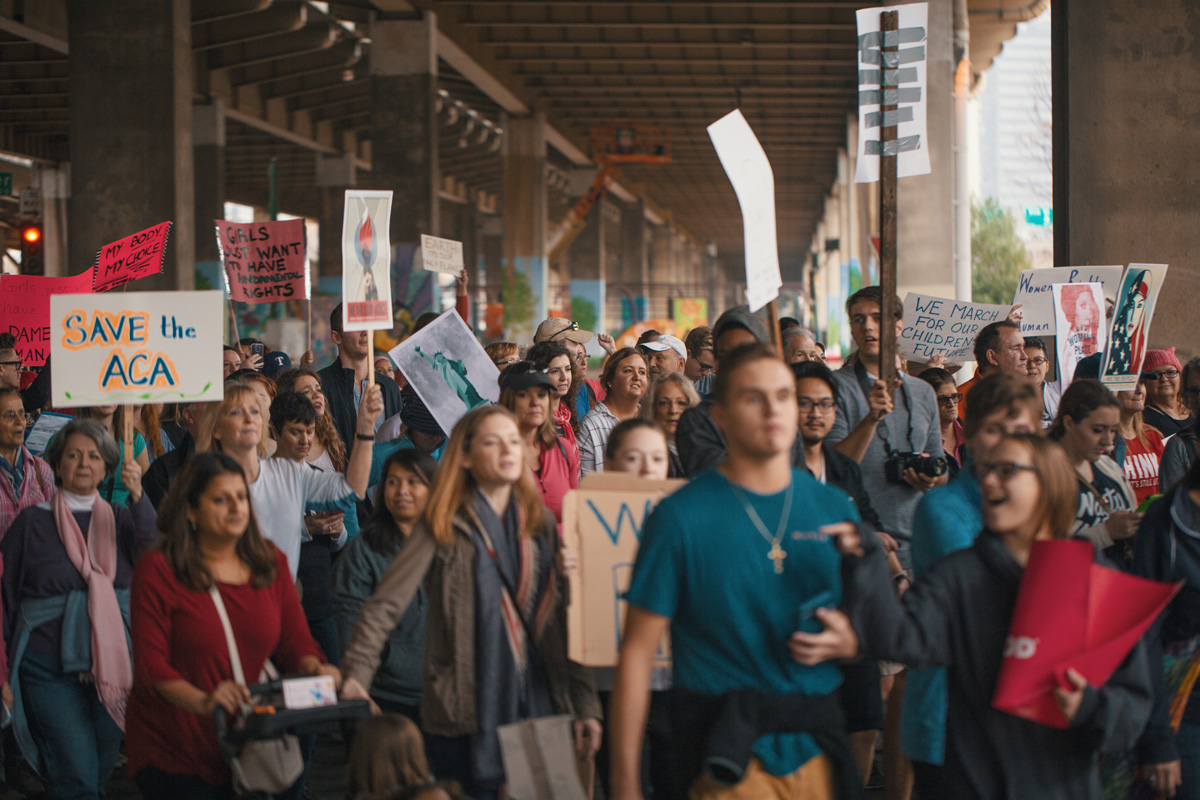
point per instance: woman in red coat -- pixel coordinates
(182, 666)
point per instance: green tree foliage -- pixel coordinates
(584, 312)
(997, 255)
(518, 298)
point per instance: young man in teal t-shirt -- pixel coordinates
(733, 564)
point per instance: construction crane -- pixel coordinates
(612, 145)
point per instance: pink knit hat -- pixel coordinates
(1161, 358)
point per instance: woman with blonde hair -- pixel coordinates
(668, 397)
(496, 641)
(281, 489)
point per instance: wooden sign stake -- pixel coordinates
(127, 432)
(888, 156)
(773, 328)
(370, 359)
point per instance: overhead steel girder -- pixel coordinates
(340, 55)
(315, 36)
(316, 82)
(329, 97)
(280, 17)
(212, 10)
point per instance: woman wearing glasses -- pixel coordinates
(1180, 451)
(1165, 409)
(948, 397)
(957, 616)
(1037, 366)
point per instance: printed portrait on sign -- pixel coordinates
(1129, 323)
(366, 260)
(1083, 317)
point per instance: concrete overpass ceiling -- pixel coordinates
(683, 64)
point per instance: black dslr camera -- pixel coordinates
(933, 466)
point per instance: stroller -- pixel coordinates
(261, 745)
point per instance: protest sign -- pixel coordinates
(934, 325)
(140, 347)
(48, 423)
(907, 93)
(264, 261)
(1070, 613)
(603, 521)
(750, 173)
(367, 261)
(136, 256)
(441, 255)
(25, 310)
(1037, 304)
(1079, 319)
(448, 369)
(1137, 295)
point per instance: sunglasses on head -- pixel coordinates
(574, 326)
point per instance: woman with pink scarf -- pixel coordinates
(68, 563)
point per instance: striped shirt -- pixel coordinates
(594, 429)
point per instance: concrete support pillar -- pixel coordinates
(635, 259)
(925, 244)
(404, 126)
(335, 174)
(208, 132)
(1125, 170)
(525, 211)
(589, 287)
(132, 156)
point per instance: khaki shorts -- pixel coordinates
(813, 781)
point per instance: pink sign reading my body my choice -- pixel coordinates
(136, 256)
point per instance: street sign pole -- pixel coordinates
(888, 156)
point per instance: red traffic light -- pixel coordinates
(32, 235)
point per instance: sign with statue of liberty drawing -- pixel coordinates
(448, 369)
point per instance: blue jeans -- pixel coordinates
(76, 737)
(1188, 742)
(325, 632)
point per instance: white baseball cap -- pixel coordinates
(664, 342)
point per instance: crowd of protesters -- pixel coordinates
(837, 568)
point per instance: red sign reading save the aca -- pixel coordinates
(136, 256)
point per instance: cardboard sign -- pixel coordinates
(25, 310)
(1082, 329)
(448, 369)
(1070, 613)
(602, 522)
(441, 255)
(367, 261)
(935, 325)
(754, 182)
(539, 760)
(1137, 295)
(140, 347)
(264, 261)
(136, 256)
(907, 92)
(1037, 304)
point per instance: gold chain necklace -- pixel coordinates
(777, 554)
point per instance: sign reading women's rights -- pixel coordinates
(603, 521)
(265, 262)
(1034, 293)
(140, 347)
(25, 310)
(1137, 296)
(448, 369)
(367, 261)
(136, 256)
(934, 325)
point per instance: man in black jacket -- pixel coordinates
(344, 379)
(157, 480)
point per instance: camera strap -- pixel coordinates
(865, 383)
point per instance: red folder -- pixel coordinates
(1070, 613)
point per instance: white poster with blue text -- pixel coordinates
(1037, 304)
(941, 326)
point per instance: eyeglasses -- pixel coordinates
(1170, 374)
(706, 368)
(1038, 361)
(11, 416)
(507, 361)
(949, 400)
(19, 363)
(807, 404)
(1005, 470)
